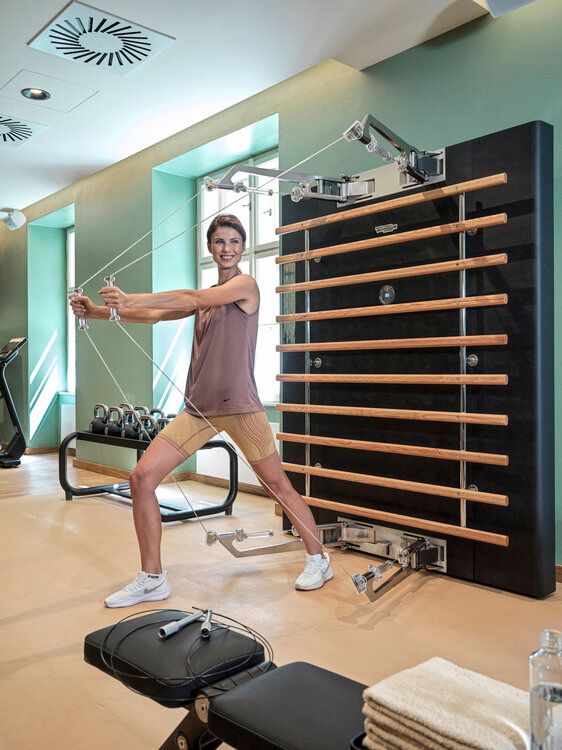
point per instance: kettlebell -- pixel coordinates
(154, 412)
(162, 422)
(99, 422)
(142, 410)
(147, 430)
(171, 416)
(131, 424)
(114, 421)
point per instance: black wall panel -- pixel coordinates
(525, 153)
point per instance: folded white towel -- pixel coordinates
(408, 733)
(443, 702)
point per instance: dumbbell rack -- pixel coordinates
(168, 511)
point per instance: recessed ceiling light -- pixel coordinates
(35, 94)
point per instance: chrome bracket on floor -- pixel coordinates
(330, 535)
(414, 554)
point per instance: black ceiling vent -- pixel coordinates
(98, 39)
(15, 132)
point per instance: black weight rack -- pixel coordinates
(168, 511)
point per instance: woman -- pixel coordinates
(220, 386)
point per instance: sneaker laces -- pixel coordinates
(138, 582)
(313, 566)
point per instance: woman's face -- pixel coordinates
(226, 247)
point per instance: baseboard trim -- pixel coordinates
(184, 476)
(252, 489)
(40, 451)
(558, 573)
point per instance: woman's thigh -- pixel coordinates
(251, 433)
(177, 442)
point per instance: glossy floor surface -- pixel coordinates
(58, 560)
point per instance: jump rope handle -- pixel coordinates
(113, 314)
(172, 627)
(82, 322)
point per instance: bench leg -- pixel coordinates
(191, 734)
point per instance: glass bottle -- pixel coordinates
(545, 666)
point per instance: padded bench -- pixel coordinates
(295, 707)
(233, 693)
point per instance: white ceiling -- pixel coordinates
(225, 51)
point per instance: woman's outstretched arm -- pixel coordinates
(238, 289)
(83, 307)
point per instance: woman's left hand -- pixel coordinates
(114, 297)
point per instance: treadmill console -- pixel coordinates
(10, 350)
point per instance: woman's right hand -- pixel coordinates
(83, 307)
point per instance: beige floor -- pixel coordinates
(59, 559)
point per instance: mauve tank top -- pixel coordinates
(221, 374)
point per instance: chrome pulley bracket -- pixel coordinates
(418, 165)
(412, 556)
(229, 540)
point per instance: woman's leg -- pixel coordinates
(182, 437)
(252, 433)
(177, 441)
(275, 482)
(158, 461)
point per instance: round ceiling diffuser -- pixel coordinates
(104, 43)
(13, 131)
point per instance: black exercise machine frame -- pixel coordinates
(168, 512)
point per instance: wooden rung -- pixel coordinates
(496, 339)
(454, 303)
(455, 493)
(447, 191)
(397, 379)
(397, 273)
(462, 532)
(414, 235)
(495, 459)
(498, 420)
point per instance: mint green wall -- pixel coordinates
(46, 349)
(483, 77)
(174, 266)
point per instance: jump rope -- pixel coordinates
(204, 678)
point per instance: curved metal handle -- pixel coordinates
(115, 410)
(113, 314)
(82, 321)
(105, 409)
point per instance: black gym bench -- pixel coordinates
(232, 693)
(168, 511)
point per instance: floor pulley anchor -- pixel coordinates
(419, 554)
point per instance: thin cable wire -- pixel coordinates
(196, 515)
(136, 242)
(228, 205)
(235, 448)
(273, 179)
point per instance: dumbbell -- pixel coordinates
(162, 422)
(99, 422)
(148, 428)
(131, 424)
(114, 423)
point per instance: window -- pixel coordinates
(70, 319)
(259, 213)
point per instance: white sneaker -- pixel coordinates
(145, 587)
(315, 574)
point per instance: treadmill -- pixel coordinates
(16, 447)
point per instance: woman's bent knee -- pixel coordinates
(140, 480)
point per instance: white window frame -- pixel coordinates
(253, 252)
(70, 319)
